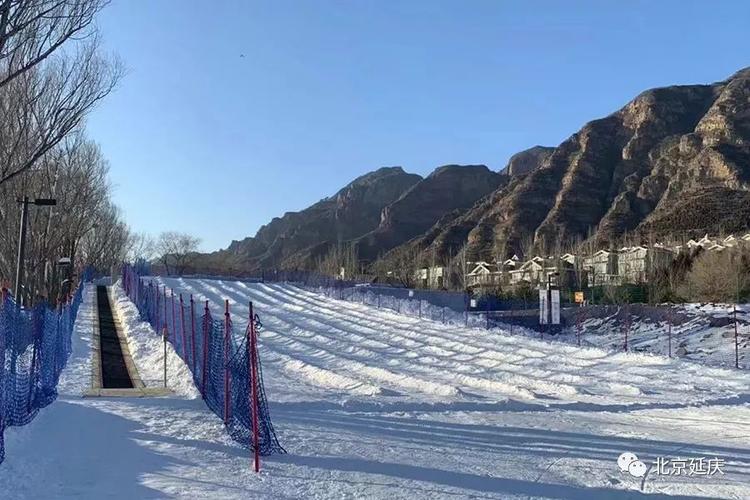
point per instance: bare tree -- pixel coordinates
(717, 277)
(32, 30)
(176, 250)
(84, 226)
(44, 105)
(340, 257)
(141, 247)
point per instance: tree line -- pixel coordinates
(53, 73)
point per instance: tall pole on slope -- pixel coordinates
(22, 238)
(21, 248)
(254, 383)
(227, 407)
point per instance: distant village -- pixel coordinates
(626, 265)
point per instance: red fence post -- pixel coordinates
(669, 331)
(736, 340)
(192, 333)
(166, 323)
(627, 326)
(174, 320)
(253, 359)
(205, 349)
(227, 407)
(182, 327)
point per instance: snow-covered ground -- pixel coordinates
(371, 404)
(699, 332)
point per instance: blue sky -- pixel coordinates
(208, 142)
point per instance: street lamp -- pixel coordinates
(25, 202)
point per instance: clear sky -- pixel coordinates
(235, 112)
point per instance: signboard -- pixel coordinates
(411, 293)
(555, 307)
(473, 303)
(549, 302)
(542, 307)
(579, 297)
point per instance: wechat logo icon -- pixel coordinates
(628, 462)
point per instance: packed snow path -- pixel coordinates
(371, 404)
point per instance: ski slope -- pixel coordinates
(370, 404)
(453, 405)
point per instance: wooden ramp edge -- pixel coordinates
(139, 389)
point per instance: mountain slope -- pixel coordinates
(665, 163)
(305, 235)
(447, 189)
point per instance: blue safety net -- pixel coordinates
(221, 366)
(35, 344)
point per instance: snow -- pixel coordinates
(371, 404)
(705, 332)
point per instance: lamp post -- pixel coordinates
(25, 202)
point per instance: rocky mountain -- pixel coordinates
(527, 160)
(298, 238)
(673, 161)
(372, 214)
(448, 188)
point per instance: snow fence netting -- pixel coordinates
(35, 344)
(220, 366)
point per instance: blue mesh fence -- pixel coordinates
(221, 367)
(35, 345)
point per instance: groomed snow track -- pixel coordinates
(370, 404)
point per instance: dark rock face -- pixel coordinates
(447, 189)
(673, 160)
(298, 238)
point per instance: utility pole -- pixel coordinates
(22, 238)
(21, 248)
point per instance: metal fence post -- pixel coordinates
(227, 382)
(182, 327)
(174, 320)
(192, 333)
(736, 340)
(164, 341)
(627, 326)
(669, 331)
(253, 360)
(204, 356)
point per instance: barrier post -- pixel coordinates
(174, 320)
(578, 325)
(166, 323)
(150, 295)
(669, 331)
(182, 327)
(627, 326)
(164, 341)
(156, 326)
(227, 407)
(204, 359)
(736, 340)
(192, 332)
(253, 360)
